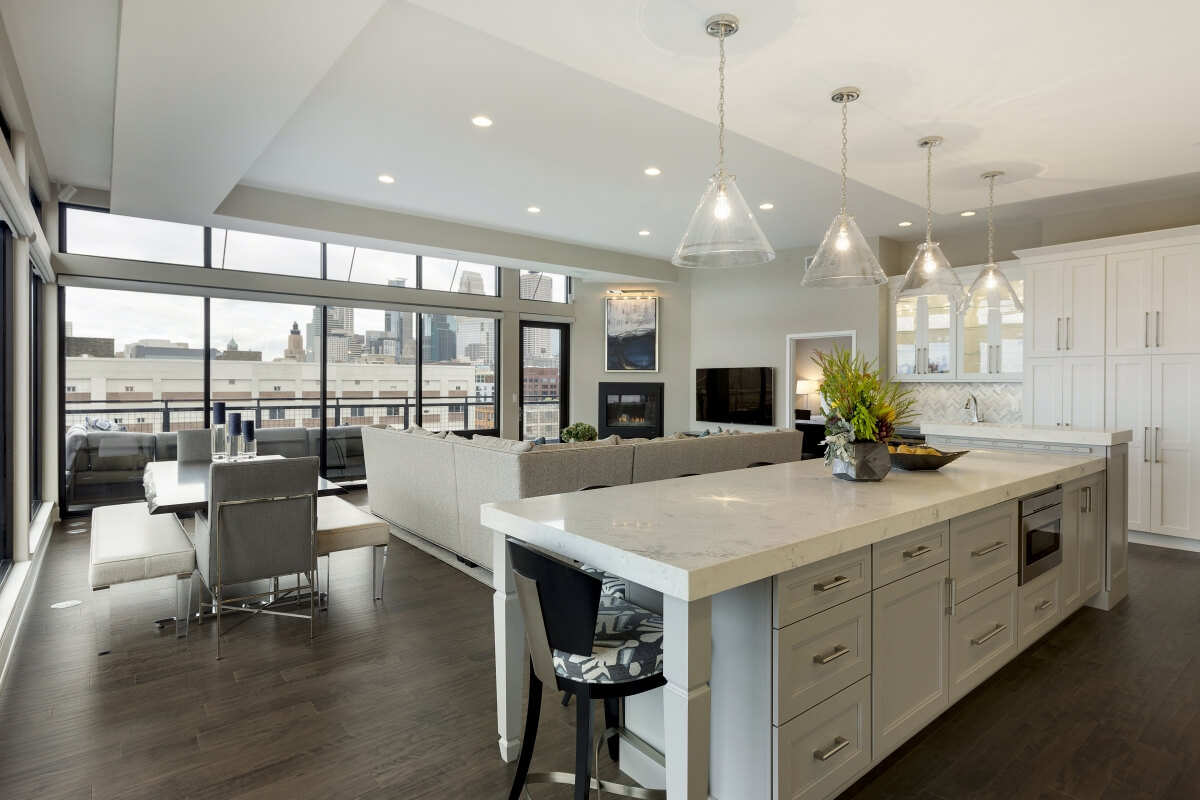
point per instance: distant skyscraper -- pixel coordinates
(68, 329)
(295, 345)
(399, 325)
(470, 282)
(440, 340)
(537, 286)
(339, 322)
(476, 340)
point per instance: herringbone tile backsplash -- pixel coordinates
(943, 402)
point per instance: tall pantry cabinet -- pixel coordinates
(1129, 357)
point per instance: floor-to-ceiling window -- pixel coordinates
(6, 402)
(545, 376)
(36, 365)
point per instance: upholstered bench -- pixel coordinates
(131, 544)
(341, 525)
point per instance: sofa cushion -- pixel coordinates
(496, 443)
(609, 442)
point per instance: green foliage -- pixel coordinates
(578, 432)
(853, 392)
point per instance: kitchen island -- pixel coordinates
(740, 559)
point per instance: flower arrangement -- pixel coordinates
(859, 405)
(578, 432)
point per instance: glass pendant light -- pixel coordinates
(930, 272)
(723, 232)
(844, 260)
(991, 278)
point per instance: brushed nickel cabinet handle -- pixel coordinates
(1158, 329)
(1042, 606)
(1067, 338)
(1158, 445)
(999, 629)
(918, 552)
(1146, 445)
(838, 744)
(991, 548)
(838, 652)
(1147, 329)
(953, 591)
(838, 580)
(1058, 333)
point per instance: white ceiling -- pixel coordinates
(316, 99)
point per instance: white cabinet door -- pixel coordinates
(1083, 306)
(1127, 404)
(1042, 401)
(910, 633)
(1083, 392)
(1175, 477)
(1176, 288)
(1092, 536)
(1130, 306)
(1072, 520)
(906, 343)
(1044, 309)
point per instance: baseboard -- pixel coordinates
(18, 588)
(1158, 540)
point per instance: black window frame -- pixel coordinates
(7, 466)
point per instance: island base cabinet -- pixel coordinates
(1040, 607)
(823, 748)
(983, 636)
(909, 630)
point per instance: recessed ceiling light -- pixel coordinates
(766, 206)
(643, 233)
(534, 210)
(652, 171)
(905, 224)
(386, 179)
(967, 214)
(481, 122)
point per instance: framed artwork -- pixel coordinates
(631, 334)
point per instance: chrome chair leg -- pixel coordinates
(378, 569)
(100, 608)
(183, 602)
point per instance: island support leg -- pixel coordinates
(687, 698)
(510, 651)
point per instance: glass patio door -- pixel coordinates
(545, 378)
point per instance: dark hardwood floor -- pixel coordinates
(396, 699)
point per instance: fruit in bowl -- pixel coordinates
(915, 456)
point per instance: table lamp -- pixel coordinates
(804, 388)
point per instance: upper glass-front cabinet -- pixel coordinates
(933, 342)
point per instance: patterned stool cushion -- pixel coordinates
(610, 584)
(627, 646)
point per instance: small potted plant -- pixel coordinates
(861, 412)
(578, 432)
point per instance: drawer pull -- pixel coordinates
(838, 652)
(999, 629)
(838, 745)
(838, 580)
(1042, 606)
(920, 551)
(991, 548)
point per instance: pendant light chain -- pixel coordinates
(928, 193)
(721, 106)
(991, 219)
(845, 104)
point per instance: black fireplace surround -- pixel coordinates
(630, 410)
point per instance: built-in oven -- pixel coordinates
(1041, 535)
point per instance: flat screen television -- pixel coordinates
(742, 395)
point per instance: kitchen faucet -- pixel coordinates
(973, 406)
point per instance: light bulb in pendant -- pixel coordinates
(843, 240)
(721, 209)
(991, 280)
(930, 265)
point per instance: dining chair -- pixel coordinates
(261, 524)
(194, 445)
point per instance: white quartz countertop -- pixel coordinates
(695, 537)
(1104, 437)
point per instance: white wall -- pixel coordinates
(742, 317)
(674, 365)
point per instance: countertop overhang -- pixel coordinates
(694, 537)
(1103, 437)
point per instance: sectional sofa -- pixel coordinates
(432, 485)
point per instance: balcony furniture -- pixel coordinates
(343, 526)
(128, 544)
(595, 650)
(433, 487)
(175, 486)
(261, 523)
(194, 445)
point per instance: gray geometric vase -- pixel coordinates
(871, 462)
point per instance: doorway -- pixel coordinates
(545, 378)
(804, 376)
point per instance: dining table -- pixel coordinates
(176, 486)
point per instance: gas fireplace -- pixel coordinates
(631, 410)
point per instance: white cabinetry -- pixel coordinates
(1083, 526)
(1157, 397)
(1064, 392)
(923, 339)
(1064, 308)
(1152, 298)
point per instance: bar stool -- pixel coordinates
(596, 652)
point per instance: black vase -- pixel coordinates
(871, 462)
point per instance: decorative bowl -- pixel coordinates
(924, 461)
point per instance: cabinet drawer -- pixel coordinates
(904, 555)
(983, 548)
(826, 746)
(1039, 607)
(983, 636)
(815, 587)
(819, 656)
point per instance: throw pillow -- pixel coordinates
(451, 436)
(540, 440)
(496, 443)
(705, 432)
